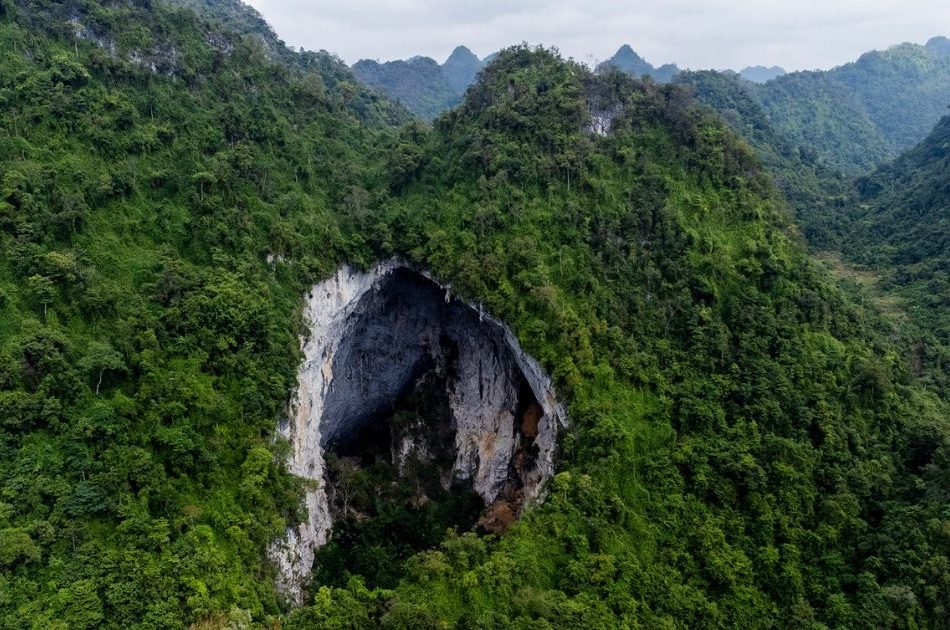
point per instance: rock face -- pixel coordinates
(372, 337)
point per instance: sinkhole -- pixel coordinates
(414, 411)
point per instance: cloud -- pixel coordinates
(693, 33)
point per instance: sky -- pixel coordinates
(795, 34)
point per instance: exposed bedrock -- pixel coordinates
(373, 338)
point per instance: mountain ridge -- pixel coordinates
(761, 74)
(627, 60)
(424, 86)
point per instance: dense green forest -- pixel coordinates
(815, 192)
(748, 444)
(861, 114)
(816, 111)
(899, 224)
(150, 161)
(891, 222)
(420, 84)
(730, 404)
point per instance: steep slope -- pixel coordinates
(852, 118)
(816, 111)
(152, 163)
(862, 114)
(746, 449)
(241, 19)
(237, 17)
(904, 89)
(417, 83)
(900, 225)
(461, 68)
(814, 192)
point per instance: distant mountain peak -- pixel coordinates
(761, 74)
(938, 45)
(462, 53)
(461, 68)
(627, 53)
(629, 61)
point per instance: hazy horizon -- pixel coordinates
(709, 34)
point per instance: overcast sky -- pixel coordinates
(795, 34)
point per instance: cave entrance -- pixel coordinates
(415, 413)
(391, 491)
(423, 390)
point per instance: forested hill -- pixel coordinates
(420, 84)
(731, 406)
(862, 114)
(900, 226)
(427, 89)
(817, 131)
(852, 118)
(150, 160)
(747, 447)
(815, 192)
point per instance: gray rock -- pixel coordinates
(371, 336)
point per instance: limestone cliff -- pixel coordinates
(371, 337)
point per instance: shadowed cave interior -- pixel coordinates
(429, 423)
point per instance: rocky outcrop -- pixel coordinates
(602, 119)
(372, 337)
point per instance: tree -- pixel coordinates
(99, 358)
(7, 9)
(16, 545)
(42, 289)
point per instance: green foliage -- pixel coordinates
(904, 90)
(817, 111)
(418, 83)
(383, 521)
(859, 115)
(850, 119)
(746, 449)
(899, 225)
(744, 435)
(150, 162)
(15, 546)
(816, 193)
